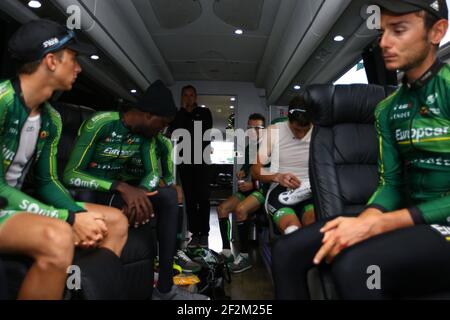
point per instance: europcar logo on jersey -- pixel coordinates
(115, 152)
(43, 135)
(420, 133)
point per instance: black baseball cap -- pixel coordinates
(437, 8)
(37, 38)
(158, 100)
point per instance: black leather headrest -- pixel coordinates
(344, 103)
(72, 114)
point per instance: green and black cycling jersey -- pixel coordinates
(413, 128)
(107, 152)
(135, 169)
(56, 201)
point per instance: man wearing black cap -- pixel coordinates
(118, 153)
(29, 133)
(399, 245)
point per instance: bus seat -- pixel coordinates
(343, 157)
(3, 286)
(344, 153)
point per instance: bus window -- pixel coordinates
(357, 74)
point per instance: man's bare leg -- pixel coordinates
(243, 210)
(223, 211)
(308, 218)
(247, 207)
(227, 207)
(117, 225)
(50, 243)
(289, 221)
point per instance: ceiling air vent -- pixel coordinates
(172, 14)
(241, 14)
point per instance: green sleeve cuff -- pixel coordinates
(113, 187)
(417, 216)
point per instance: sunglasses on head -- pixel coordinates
(255, 127)
(297, 110)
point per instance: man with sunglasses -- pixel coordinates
(247, 201)
(49, 223)
(286, 146)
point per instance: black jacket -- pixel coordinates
(185, 120)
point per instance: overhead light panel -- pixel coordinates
(35, 4)
(297, 87)
(133, 91)
(95, 57)
(339, 38)
(238, 31)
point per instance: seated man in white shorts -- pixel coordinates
(242, 204)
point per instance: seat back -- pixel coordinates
(344, 153)
(73, 117)
(3, 283)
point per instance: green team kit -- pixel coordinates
(413, 128)
(13, 115)
(261, 189)
(107, 152)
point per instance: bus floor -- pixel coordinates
(253, 284)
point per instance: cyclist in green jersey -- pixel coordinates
(403, 235)
(47, 225)
(116, 155)
(247, 201)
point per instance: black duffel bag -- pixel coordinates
(213, 275)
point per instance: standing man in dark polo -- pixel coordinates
(195, 171)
